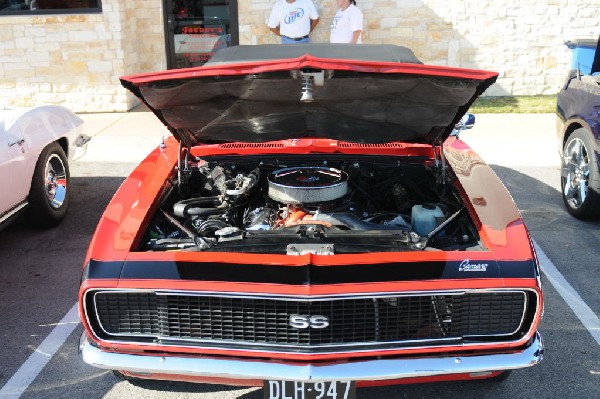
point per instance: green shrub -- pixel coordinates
(514, 104)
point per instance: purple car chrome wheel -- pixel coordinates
(579, 181)
(576, 164)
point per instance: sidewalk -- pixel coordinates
(122, 136)
(502, 139)
(515, 139)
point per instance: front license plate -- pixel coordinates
(310, 390)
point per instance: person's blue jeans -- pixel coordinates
(287, 40)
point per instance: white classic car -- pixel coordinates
(36, 145)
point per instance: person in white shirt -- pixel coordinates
(293, 20)
(347, 24)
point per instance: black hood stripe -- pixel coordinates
(309, 274)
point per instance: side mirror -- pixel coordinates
(466, 122)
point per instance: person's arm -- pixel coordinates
(356, 23)
(313, 14)
(275, 30)
(274, 20)
(313, 23)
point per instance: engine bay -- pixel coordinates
(320, 204)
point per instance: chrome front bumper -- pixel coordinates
(353, 370)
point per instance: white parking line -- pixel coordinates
(583, 312)
(21, 380)
(25, 375)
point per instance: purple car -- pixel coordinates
(578, 128)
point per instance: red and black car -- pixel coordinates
(313, 225)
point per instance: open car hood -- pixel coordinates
(360, 93)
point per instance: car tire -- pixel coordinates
(580, 179)
(50, 192)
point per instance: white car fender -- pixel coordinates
(43, 125)
(26, 132)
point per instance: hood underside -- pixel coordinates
(355, 93)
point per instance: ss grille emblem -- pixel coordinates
(306, 321)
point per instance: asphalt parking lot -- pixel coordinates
(40, 272)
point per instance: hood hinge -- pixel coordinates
(440, 164)
(438, 152)
(183, 169)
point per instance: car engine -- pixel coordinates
(311, 204)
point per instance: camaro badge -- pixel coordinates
(465, 266)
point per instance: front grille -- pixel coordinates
(372, 321)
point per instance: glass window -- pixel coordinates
(200, 28)
(24, 7)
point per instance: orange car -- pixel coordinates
(313, 225)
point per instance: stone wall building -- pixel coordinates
(75, 57)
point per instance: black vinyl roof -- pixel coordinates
(356, 52)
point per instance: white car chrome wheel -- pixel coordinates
(56, 181)
(49, 193)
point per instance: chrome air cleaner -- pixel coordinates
(307, 185)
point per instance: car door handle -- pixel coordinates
(19, 142)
